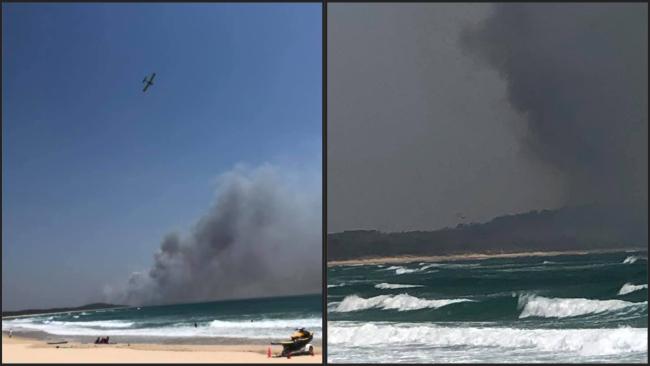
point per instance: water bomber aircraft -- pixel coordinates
(148, 82)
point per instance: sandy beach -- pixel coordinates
(23, 350)
(468, 256)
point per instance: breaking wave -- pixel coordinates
(390, 286)
(629, 288)
(93, 324)
(631, 259)
(543, 307)
(269, 328)
(269, 323)
(401, 302)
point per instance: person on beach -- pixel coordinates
(11, 331)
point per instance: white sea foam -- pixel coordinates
(338, 285)
(270, 328)
(538, 306)
(451, 265)
(583, 342)
(631, 259)
(93, 324)
(268, 323)
(628, 288)
(432, 265)
(401, 302)
(390, 286)
(332, 305)
(400, 270)
(391, 268)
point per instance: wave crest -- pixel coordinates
(269, 328)
(93, 324)
(401, 302)
(390, 286)
(268, 323)
(628, 288)
(544, 307)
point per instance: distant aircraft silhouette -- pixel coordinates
(149, 82)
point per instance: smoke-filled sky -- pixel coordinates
(443, 111)
(263, 233)
(99, 176)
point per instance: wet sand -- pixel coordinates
(21, 349)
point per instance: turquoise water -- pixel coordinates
(262, 319)
(567, 308)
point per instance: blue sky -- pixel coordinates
(96, 172)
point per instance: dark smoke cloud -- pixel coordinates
(579, 73)
(261, 238)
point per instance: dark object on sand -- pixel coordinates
(59, 342)
(101, 340)
(298, 345)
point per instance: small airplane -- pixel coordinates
(148, 82)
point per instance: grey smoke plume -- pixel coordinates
(261, 238)
(579, 73)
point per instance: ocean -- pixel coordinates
(234, 321)
(564, 308)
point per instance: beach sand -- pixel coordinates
(469, 256)
(19, 349)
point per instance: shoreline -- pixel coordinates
(470, 256)
(41, 336)
(20, 349)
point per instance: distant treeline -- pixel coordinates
(569, 228)
(94, 306)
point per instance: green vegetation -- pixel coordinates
(569, 228)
